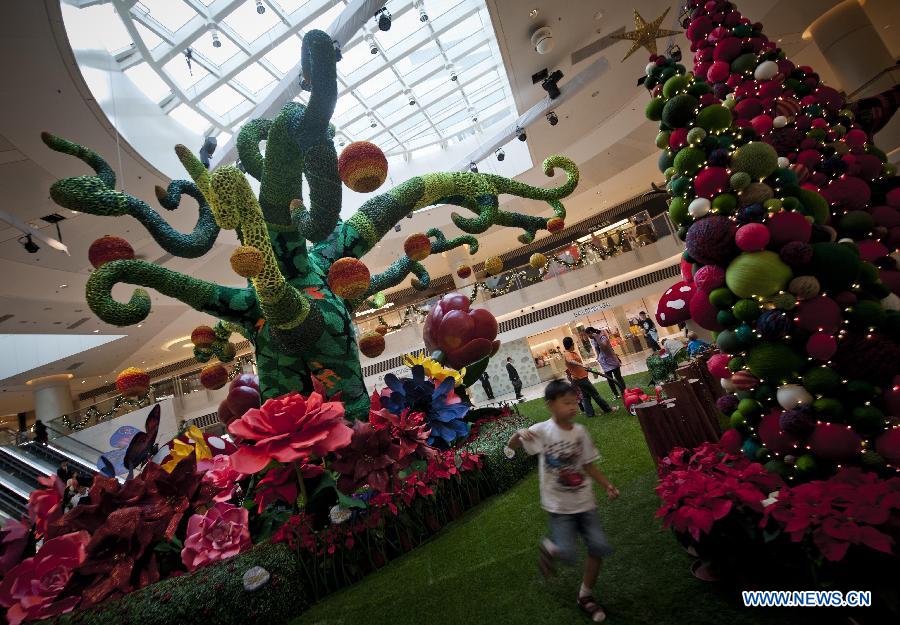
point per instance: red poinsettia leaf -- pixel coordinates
(832, 549)
(871, 537)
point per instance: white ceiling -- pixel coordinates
(602, 129)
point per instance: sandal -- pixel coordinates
(546, 561)
(593, 609)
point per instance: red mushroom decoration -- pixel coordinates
(674, 305)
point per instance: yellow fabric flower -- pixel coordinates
(181, 450)
(435, 370)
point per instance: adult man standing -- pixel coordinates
(486, 385)
(514, 377)
(650, 332)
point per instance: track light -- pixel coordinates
(397, 227)
(520, 133)
(188, 57)
(384, 19)
(500, 154)
(552, 118)
(259, 7)
(372, 122)
(215, 39)
(474, 115)
(453, 76)
(410, 97)
(549, 84)
(30, 246)
(409, 215)
(373, 49)
(423, 16)
(473, 167)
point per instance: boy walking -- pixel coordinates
(567, 455)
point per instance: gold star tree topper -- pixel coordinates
(644, 34)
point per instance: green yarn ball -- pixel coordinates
(773, 362)
(829, 407)
(750, 408)
(745, 334)
(662, 139)
(678, 211)
(746, 310)
(856, 224)
(836, 265)
(727, 341)
(725, 203)
(736, 363)
(680, 185)
(865, 419)
(669, 173)
(861, 389)
(757, 274)
(757, 159)
(679, 110)
(821, 380)
(773, 205)
(868, 273)
(791, 204)
(778, 467)
(764, 393)
(688, 161)
(665, 161)
(813, 204)
(737, 420)
(721, 298)
(654, 108)
(867, 313)
(784, 301)
(740, 181)
(696, 135)
(744, 63)
(806, 463)
(675, 85)
(714, 117)
(726, 319)
(785, 179)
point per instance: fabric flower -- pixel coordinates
(219, 534)
(368, 459)
(409, 430)
(218, 472)
(13, 541)
(181, 449)
(280, 484)
(443, 409)
(289, 428)
(30, 590)
(45, 505)
(433, 369)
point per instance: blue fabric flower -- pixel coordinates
(443, 410)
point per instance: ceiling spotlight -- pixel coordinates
(409, 96)
(207, 150)
(533, 13)
(30, 246)
(500, 154)
(215, 39)
(397, 228)
(372, 122)
(188, 57)
(409, 215)
(372, 47)
(552, 118)
(259, 7)
(549, 84)
(384, 19)
(520, 133)
(453, 76)
(473, 114)
(473, 167)
(423, 16)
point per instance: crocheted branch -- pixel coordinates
(324, 194)
(317, 58)
(238, 305)
(248, 141)
(97, 195)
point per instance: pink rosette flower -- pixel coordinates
(46, 504)
(30, 590)
(288, 428)
(220, 475)
(464, 335)
(13, 540)
(219, 534)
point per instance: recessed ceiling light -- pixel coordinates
(63, 286)
(533, 13)
(598, 15)
(96, 331)
(140, 325)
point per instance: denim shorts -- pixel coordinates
(565, 527)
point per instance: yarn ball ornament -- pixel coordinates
(752, 237)
(678, 211)
(709, 278)
(835, 264)
(109, 248)
(555, 224)
(727, 403)
(132, 382)
(703, 313)
(773, 436)
(797, 423)
(796, 253)
(804, 287)
(751, 449)
(725, 203)
(699, 207)
(371, 344)
(754, 213)
(247, 261)
(727, 341)
(740, 181)
(382, 329)
(855, 224)
(362, 166)
(773, 362)
(214, 376)
(748, 108)
(774, 325)
(349, 278)
(674, 305)
(417, 246)
(819, 314)
(744, 380)
(865, 356)
(722, 298)
(463, 271)
(537, 260)
(718, 365)
(687, 269)
(710, 182)
(756, 158)
(714, 118)
(695, 135)
(710, 241)
(835, 442)
(745, 334)
(847, 193)
(821, 380)
(793, 396)
(746, 310)
(757, 274)
(867, 313)
(203, 336)
(654, 108)
(814, 205)
(756, 193)
(676, 84)
(731, 441)
(888, 445)
(493, 265)
(678, 138)
(689, 160)
(787, 226)
(871, 250)
(679, 110)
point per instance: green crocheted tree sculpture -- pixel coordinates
(302, 262)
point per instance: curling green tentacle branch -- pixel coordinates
(324, 194)
(248, 140)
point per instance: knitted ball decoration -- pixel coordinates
(213, 376)
(727, 403)
(797, 422)
(679, 110)
(773, 362)
(688, 161)
(132, 382)
(787, 226)
(417, 246)
(362, 166)
(773, 325)
(709, 278)
(772, 436)
(349, 278)
(555, 224)
(835, 442)
(888, 445)
(703, 313)
(796, 253)
(371, 344)
(714, 117)
(757, 274)
(493, 265)
(711, 181)
(718, 365)
(756, 158)
(835, 264)
(203, 336)
(463, 271)
(804, 287)
(109, 248)
(537, 260)
(752, 237)
(382, 330)
(744, 380)
(711, 240)
(819, 314)
(247, 261)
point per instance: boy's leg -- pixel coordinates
(561, 544)
(585, 385)
(593, 392)
(598, 547)
(613, 386)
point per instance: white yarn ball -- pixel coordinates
(793, 396)
(783, 162)
(891, 302)
(699, 207)
(766, 70)
(649, 67)
(780, 121)
(728, 385)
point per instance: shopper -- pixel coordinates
(695, 345)
(486, 385)
(575, 367)
(609, 361)
(567, 456)
(64, 472)
(40, 432)
(514, 377)
(650, 333)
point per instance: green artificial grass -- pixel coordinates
(482, 568)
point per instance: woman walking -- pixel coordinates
(609, 361)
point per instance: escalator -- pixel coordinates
(13, 497)
(23, 468)
(54, 455)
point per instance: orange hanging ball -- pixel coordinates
(132, 382)
(362, 166)
(213, 376)
(371, 344)
(349, 278)
(555, 224)
(203, 336)
(109, 248)
(417, 246)
(464, 271)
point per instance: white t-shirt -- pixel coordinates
(565, 487)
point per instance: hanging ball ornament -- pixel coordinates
(213, 376)
(765, 70)
(699, 207)
(109, 248)
(247, 261)
(362, 166)
(493, 265)
(793, 396)
(463, 271)
(555, 224)
(371, 344)
(537, 260)
(349, 278)
(203, 336)
(132, 382)
(804, 287)
(752, 237)
(821, 346)
(417, 246)
(382, 329)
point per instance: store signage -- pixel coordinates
(589, 310)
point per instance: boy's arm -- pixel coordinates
(597, 475)
(515, 441)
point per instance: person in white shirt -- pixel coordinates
(567, 457)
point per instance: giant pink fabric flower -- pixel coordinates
(288, 428)
(13, 540)
(218, 472)
(219, 534)
(46, 504)
(30, 590)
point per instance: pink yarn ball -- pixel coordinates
(718, 71)
(752, 237)
(819, 314)
(870, 250)
(769, 89)
(888, 445)
(819, 122)
(856, 138)
(787, 226)
(748, 108)
(821, 346)
(731, 441)
(711, 181)
(893, 197)
(886, 216)
(718, 365)
(709, 277)
(830, 97)
(761, 124)
(772, 436)
(809, 158)
(890, 279)
(687, 271)
(727, 49)
(678, 138)
(703, 313)
(868, 166)
(848, 193)
(835, 442)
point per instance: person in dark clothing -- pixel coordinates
(64, 471)
(608, 360)
(514, 377)
(40, 432)
(575, 368)
(650, 332)
(486, 385)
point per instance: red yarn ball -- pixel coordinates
(132, 382)
(727, 49)
(821, 346)
(711, 181)
(888, 446)
(203, 336)
(109, 248)
(718, 71)
(886, 216)
(678, 138)
(773, 437)
(687, 270)
(893, 197)
(709, 278)
(362, 166)
(761, 124)
(703, 313)
(855, 138)
(213, 376)
(752, 237)
(417, 246)
(718, 365)
(748, 108)
(870, 250)
(848, 193)
(731, 441)
(348, 278)
(787, 226)
(835, 442)
(819, 314)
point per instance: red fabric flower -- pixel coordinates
(45, 505)
(280, 484)
(218, 473)
(13, 541)
(409, 430)
(370, 458)
(219, 534)
(288, 428)
(30, 590)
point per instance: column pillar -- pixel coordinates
(52, 396)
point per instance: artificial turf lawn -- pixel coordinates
(482, 568)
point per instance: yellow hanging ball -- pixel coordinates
(247, 261)
(493, 265)
(537, 260)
